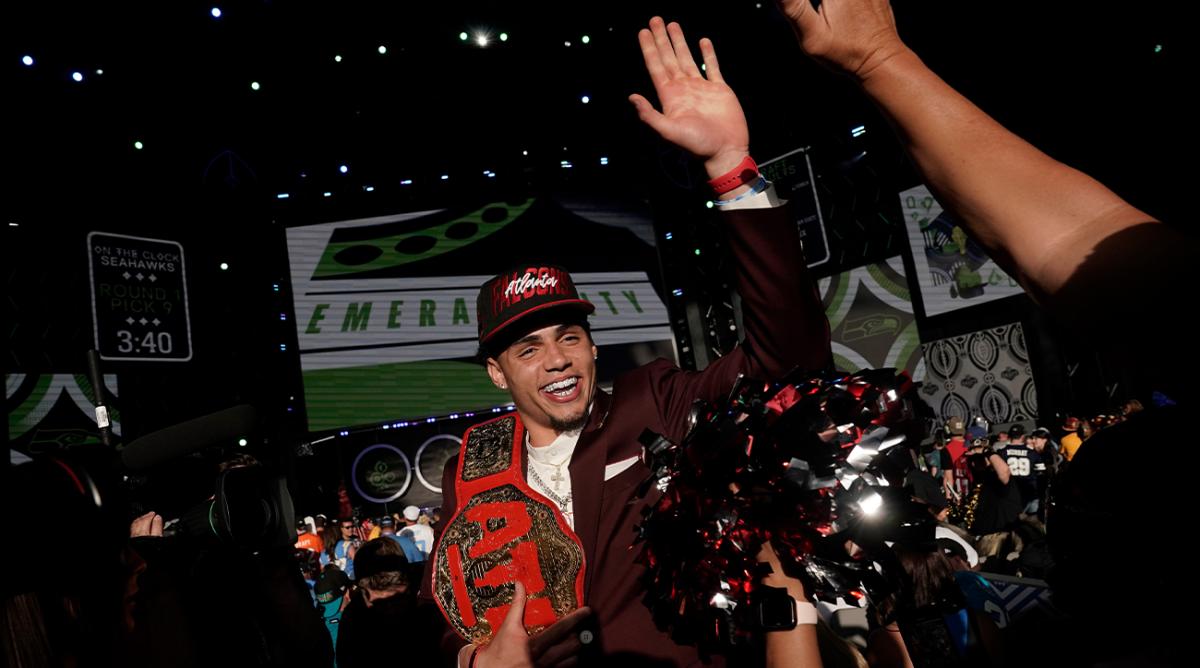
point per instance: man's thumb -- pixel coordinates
(515, 619)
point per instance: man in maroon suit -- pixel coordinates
(581, 449)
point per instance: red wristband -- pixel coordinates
(744, 173)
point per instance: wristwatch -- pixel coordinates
(774, 609)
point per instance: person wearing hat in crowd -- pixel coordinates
(999, 501)
(1045, 465)
(956, 444)
(577, 444)
(1043, 444)
(306, 539)
(1025, 466)
(1016, 434)
(977, 432)
(387, 529)
(420, 533)
(953, 469)
(382, 608)
(332, 593)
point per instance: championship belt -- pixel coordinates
(502, 533)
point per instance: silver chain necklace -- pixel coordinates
(558, 476)
(558, 500)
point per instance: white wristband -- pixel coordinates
(806, 613)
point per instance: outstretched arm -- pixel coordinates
(1039, 218)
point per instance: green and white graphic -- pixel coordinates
(385, 311)
(871, 319)
(348, 254)
(54, 411)
(952, 269)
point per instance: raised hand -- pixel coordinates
(855, 36)
(700, 112)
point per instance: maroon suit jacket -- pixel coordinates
(785, 328)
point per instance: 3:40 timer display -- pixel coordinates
(154, 343)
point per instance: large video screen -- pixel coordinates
(953, 271)
(385, 306)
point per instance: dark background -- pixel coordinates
(1098, 85)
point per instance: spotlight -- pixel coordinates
(870, 503)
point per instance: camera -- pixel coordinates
(242, 503)
(250, 509)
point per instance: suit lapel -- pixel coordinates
(587, 480)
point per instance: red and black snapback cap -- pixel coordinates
(511, 296)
